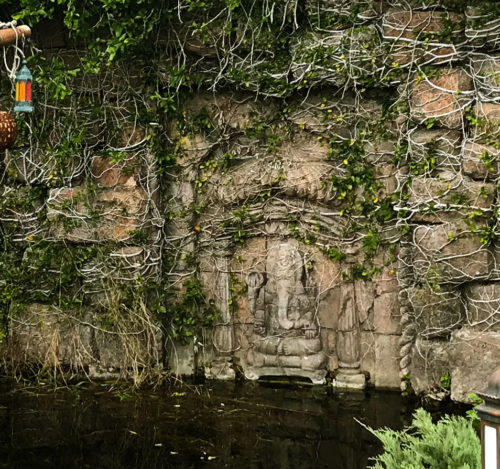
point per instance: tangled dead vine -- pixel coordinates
(344, 72)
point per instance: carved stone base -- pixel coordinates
(349, 381)
(316, 376)
(220, 369)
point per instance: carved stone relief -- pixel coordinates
(286, 339)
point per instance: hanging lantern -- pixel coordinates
(8, 130)
(23, 90)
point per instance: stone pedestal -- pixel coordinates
(346, 380)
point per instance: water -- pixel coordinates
(217, 425)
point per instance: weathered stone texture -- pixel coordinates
(112, 214)
(409, 27)
(436, 150)
(482, 27)
(437, 312)
(473, 356)
(442, 98)
(483, 306)
(386, 372)
(486, 77)
(487, 128)
(109, 174)
(450, 253)
(443, 197)
(480, 161)
(409, 24)
(46, 336)
(430, 361)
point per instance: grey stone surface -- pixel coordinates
(474, 356)
(49, 337)
(450, 253)
(438, 312)
(480, 161)
(483, 306)
(443, 197)
(436, 149)
(386, 371)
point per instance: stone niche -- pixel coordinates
(291, 313)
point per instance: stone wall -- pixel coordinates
(328, 177)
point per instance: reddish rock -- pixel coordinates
(441, 98)
(111, 214)
(110, 174)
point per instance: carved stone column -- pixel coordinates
(223, 335)
(348, 341)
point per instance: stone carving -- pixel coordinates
(286, 331)
(348, 341)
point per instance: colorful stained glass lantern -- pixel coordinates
(23, 90)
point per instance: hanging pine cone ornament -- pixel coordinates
(8, 130)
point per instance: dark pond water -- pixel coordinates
(219, 425)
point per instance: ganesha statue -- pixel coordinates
(286, 340)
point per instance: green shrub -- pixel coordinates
(451, 443)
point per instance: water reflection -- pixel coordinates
(223, 425)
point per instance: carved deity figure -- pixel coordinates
(286, 332)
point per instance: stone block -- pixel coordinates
(486, 76)
(419, 25)
(368, 353)
(328, 46)
(386, 176)
(442, 99)
(483, 306)
(438, 312)
(418, 35)
(435, 150)
(230, 111)
(328, 308)
(386, 281)
(487, 128)
(380, 152)
(20, 212)
(386, 315)
(480, 161)
(105, 275)
(192, 149)
(304, 148)
(108, 214)
(343, 9)
(474, 356)
(337, 56)
(34, 166)
(449, 194)
(322, 113)
(386, 372)
(430, 361)
(43, 335)
(108, 173)
(364, 293)
(450, 253)
(482, 25)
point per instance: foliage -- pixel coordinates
(192, 312)
(452, 442)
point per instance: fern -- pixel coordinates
(451, 443)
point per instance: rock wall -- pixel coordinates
(305, 189)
